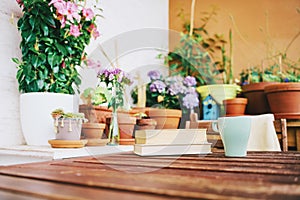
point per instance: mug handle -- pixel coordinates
(214, 126)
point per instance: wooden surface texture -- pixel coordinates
(260, 175)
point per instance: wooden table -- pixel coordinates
(260, 175)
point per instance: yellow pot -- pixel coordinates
(219, 92)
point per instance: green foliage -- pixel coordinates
(191, 59)
(60, 114)
(114, 81)
(271, 74)
(50, 54)
(201, 55)
(95, 96)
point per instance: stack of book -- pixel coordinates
(171, 142)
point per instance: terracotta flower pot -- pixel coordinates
(235, 106)
(284, 98)
(126, 126)
(93, 133)
(257, 99)
(145, 124)
(165, 118)
(93, 130)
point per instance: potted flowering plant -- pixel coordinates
(115, 80)
(175, 93)
(67, 126)
(54, 36)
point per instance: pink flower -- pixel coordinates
(60, 5)
(63, 64)
(72, 11)
(95, 33)
(93, 30)
(88, 13)
(74, 30)
(20, 2)
(62, 20)
(94, 65)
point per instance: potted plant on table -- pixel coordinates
(268, 87)
(121, 125)
(67, 129)
(253, 81)
(93, 129)
(284, 97)
(143, 122)
(167, 98)
(54, 36)
(204, 57)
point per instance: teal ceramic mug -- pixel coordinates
(235, 133)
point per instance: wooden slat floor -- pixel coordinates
(260, 175)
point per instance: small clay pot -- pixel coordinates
(165, 118)
(145, 124)
(93, 130)
(235, 106)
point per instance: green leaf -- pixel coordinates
(61, 49)
(40, 84)
(35, 61)
(32, 22)
(16, 60)
(45, 29)
(47, 40)
(19, 75)
(56, 69)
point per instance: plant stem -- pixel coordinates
(230, 77)
(192, 18)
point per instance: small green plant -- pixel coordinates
(95, 96)
(60, 114)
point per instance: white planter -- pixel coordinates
(35, 114)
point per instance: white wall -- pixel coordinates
(120, 17)
(10, 131)
(132, 31)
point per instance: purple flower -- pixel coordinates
(191, 100)
(176, 88)
(157, 86)
(191, 90)
(286, 80)
(154, 75)
(110, 75)
(190, 81)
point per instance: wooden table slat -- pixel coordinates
(211, 177)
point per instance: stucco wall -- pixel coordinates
(260, 27)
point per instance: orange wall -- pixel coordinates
(248, 26)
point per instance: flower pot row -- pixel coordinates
(128, 123)
(278, 98)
